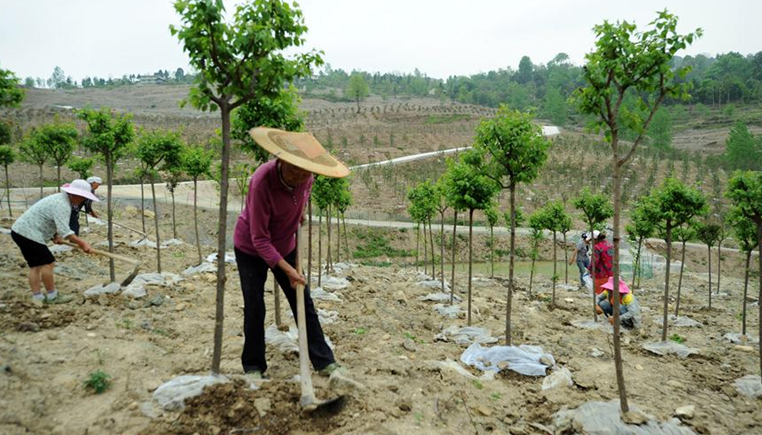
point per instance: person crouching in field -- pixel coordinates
(95, 182)
(629, 308)
(48, 219)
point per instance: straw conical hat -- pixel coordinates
(299, 149)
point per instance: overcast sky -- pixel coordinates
(441, 38)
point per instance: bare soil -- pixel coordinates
(383, 334)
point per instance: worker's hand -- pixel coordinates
(598, 310)
(295, 278)
(58, 239)
(85, 247)
(94, 214)
(611, 320)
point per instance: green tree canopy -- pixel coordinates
(357, 89)
(11, 94)
(60, 139)
(742, 150)
(197, 161)
(82, 166)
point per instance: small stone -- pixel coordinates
(133, 406)
(409, 345)
(103, 300)
(263, 405)
(517, 430)
(28, 327)
(180, 307)
(46, 316)
(215, 430)
(596, 353)
(745, 348)
(638, 367)
(404, 405)
(134, 305)
(568, 300)
(52, 336)
(91, 335)
(155, 301)
(484, 410)
(675, 384)
(635, 417)
(386, 337)
(685, 412)
(150, 214)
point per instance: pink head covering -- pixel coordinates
(80, 188)
(623, 289)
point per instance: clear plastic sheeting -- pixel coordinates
(201, 268)
(143, 242)
(601, 325)
(670, 348)
(738, 338)
(333, 283)
(319, 294)
(287, 342)
(526, 360)
(454, 366)
(466, 336)
(229, 258)
(750, 386)
(604, 418)
(137, 290)
(171, 395)
(451, 311)
(679, 322)
(171, 242)
(441, 297)
(5, 231)
(434, 284)
(560, 378)
(101, 289)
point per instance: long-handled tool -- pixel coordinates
(145, 236)
(132, 261)
(308, 401)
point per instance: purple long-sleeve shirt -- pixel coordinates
(268, 223)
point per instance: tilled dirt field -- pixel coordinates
(382, 332)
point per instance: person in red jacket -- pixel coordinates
(603, 258)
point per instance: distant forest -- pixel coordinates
(722, 79)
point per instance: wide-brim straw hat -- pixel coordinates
(80, 188)
(299, 149)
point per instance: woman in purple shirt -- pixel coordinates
(265, 239)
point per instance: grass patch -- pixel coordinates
(677, 339)
(360, 331)
(374, 243)
(98, 382)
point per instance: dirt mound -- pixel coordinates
(26, 316)
(234, 408)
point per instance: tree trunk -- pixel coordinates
(452, 263)
(110, 215)
(156, 223)
(636, 264)
(509, 296)
(433, 257)
(617, 231)
(531, 274)
(492, 251)
(8, 191)
(759, 295)
(555, 274)
(666, 280)
(566, 261)
(58, 177)
(195, 218)
(592, 272)
(309, 242)
(470, 252)
(719, 265)
(425, 250)
(745, 292)
(441, 250)
(222, 239)
(320, 248)
(338, 237)
(709, 249)
(142, 205)
(346, 236)
(42, 182)
(680, 281)
(417, 244)
(174, 224)
(328, 259)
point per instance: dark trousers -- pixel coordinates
(253, 273)
(74, 222)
